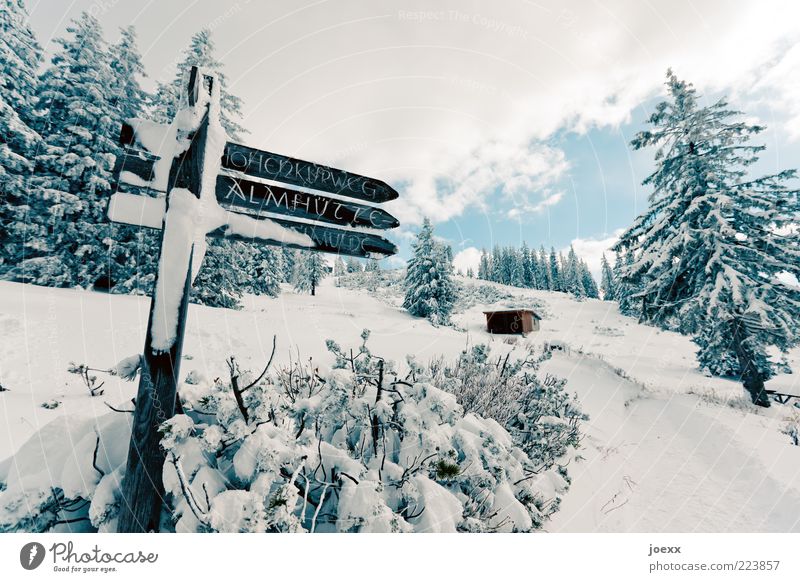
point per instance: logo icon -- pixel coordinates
(31, 555)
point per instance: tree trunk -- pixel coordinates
(751, 377)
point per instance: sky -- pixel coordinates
(502, 121)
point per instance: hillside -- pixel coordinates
(666, 449)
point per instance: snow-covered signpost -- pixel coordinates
(207, 186)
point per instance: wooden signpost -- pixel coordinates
(241, 189)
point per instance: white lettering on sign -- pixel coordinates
(300, 172)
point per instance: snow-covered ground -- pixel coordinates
(666, 449)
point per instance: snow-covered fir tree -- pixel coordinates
(133, 252)
(527, 275)
(607, 279)
(589, 284)
(166, 102)
(66, 242)
(573, 275)
(429, 289)
(496, 265)
(709, 251)
(339, 268)
(265, 267)
(309, 271)
(546, 272)
(555, 273)
(169, 95)
(626, 286)
(484, 269)
(223, 277)
(20, 55)
(288, 260)
(353, 265)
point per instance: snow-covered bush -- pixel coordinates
(67, 476)
(356, 449)
(541, 417)
(353, 449)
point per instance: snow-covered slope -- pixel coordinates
(666, 448)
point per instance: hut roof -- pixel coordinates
(514, 310)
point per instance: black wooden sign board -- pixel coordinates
(314, 215)
(270, 166)
(258, 197)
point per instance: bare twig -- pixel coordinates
(117, 409)
(237, 394)
(260, 376)
(94, 458)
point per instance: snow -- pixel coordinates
(159, 139)
(510, 513)
(134, 180)
(173, 267)
(136, 210)
(669, 448)
(265, 229)
(442, 510)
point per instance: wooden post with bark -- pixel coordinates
(142, 487)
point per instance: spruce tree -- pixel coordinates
(546, 270)
(221, 280)
(555, 272)
(497, 265)
(528, 277)
(589, 284)
(169, 96)
(265, 267)
(708, 256)
(536, 270)
(626, 286)
(607, 279)
(353, 265)
(309, 271)
(20, 55)
(133, 252)
(339, 268)
(66, 238)
(288, 259)
(484, 266)
(573, 275)
(168, 99)
(429, 289)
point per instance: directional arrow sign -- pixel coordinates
(148, 212)
(134, 166)
(327, 239)
(246, 195)
(288, 170)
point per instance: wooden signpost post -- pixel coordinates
(245, 186)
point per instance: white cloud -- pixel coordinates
(455, 106)
(591, 250)
(469, 258)
(534, 208)
(516, 173)
(780, 88)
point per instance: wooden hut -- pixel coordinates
(512, 321)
